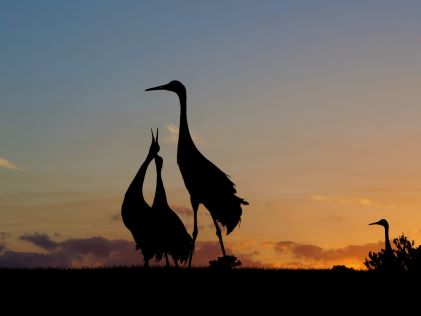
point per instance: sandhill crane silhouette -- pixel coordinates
(390, 262)
(174, 238)
(206, 183)
(137, 214)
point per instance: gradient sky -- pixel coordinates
(312, 108)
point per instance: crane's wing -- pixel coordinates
(209, 185)
(201, 174)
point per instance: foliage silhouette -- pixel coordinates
(342, 268)
(225, 262)
(408, 257)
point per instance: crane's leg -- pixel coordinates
(195, 206)
(166, 260)
(219, 234)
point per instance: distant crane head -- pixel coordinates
(381, 222)
(174, 86)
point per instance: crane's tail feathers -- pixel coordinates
(182, 250)
(229, 214)
(185, 254)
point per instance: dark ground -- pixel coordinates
(213, 290)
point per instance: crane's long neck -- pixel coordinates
(136, 186)
(184, 136)
(160, 196)
(387, 241)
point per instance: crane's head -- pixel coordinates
(381, 222)
(154, 149)
(174, 86)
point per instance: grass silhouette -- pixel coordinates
(175, 289)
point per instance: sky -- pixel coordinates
(312, 108)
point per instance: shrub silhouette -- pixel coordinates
(341, 268)
(408, 257)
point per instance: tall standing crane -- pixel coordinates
(206, 183)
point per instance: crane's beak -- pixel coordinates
(375, 223)
(164, 87)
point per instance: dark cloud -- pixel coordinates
(41, 240)
(98, 252)
(308, 251)
(13, 259)
(97, 246)
(282, 246)
(74, 252)
(4, 235)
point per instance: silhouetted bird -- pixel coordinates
(390, 262)
(137, 214)
(175, 239)
(206, 183)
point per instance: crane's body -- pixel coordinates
(175, 239)
(206, 183)
(137, 215)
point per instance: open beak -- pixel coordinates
(164, 87)
(375, 223)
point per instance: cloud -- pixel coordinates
(102, 252)
(13, 259)
(365, 201)
(341, 200)
(4, 235)
(315, 256)
(319, 198)
(173, 134)
(98, 252)
(97, 246)
(182, 210)
(336, 217)
(40, 240)
(115, 218)
(190, 226)
(73, 252)
(8, 164)
(282, 246)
